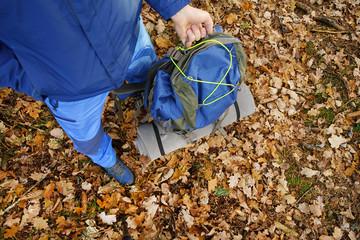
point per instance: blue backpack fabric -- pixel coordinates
(190, 88)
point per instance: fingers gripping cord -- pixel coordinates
(220, 83)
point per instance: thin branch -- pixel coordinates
(17, 201)
(329, 31)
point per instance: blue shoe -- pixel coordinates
(121, 173)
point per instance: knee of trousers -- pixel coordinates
(91, 146)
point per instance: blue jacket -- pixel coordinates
(69, 50)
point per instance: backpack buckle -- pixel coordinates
(174, 54)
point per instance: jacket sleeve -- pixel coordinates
(12, 73)
(167, 8)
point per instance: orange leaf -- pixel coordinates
(79, 210)
(163, 43)
(139, 219)
(246, 6)
(3, 175)
(33, 110)
(104, 203)
(131, 209)
(38, 139)
(45, 237)
(61, 222)
(19, 189)
(10, 233)
(49, 190)
(129, 116)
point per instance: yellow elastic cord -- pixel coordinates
(201, 81)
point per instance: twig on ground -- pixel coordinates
(17, 201)
(303, 195)
(329, 31)
(320, 18)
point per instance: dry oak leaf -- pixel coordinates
(234, 180)
(11, 221)
(308, 172)
(150, 205)
(33, 110)
(212, 184)
(49, 190)
(131, 209)
(187, 217)
(37, 176)
(10, 233)
(132, 223)
(40, 223)
(3, 175)
(163, 43)
(139, 219)
(65, 187)
(231, 18)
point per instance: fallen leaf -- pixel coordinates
(33, 195)
(336, 141)
(304, 208)
(348, 213)
(160, 26)
(231, 18)
(162, 42)
(280, 208)
(49, 190)
(338, 234)
(285, 229)
(3, 175)
(65, 188)
(309, 172)
(131, 209)
(10, 233)
(54, 144)
(11, 222)
(86, 186)
(150, 205)
(234, 180)
(132, 223)
(33, 110)
(40, 223)
(290, 199)
(325, 237)
(3, 128)
(167, 175)
(107, 219)
(317, 207)
(212, 184)
(57, 133)
(187, 217)
(37, 176)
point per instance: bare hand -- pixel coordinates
(189, 23)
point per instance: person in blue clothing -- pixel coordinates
(71, 53)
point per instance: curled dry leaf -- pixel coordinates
(33, 195)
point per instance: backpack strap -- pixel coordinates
(130, 88)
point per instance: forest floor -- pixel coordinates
(288, 171)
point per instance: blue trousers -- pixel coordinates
(81, 120)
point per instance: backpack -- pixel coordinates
(191, 93)
(191, 88)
